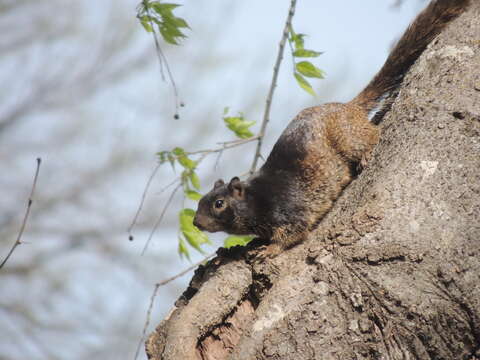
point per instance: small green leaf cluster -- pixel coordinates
(303, 68)
(190, 183)
(190, 234)
(189, 178)
(238, 125)
(161, 14)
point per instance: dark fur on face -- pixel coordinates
(224, 208)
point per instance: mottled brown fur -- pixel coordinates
(318, 154)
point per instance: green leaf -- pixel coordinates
(306, 68)
(182, 248)
(186, 162)
(304, 84)
(291, 32)
(239, 126)
(306, 53)
(235, 240)
(192, 234)
(169, 27)
(183, 159)
(163, 8)
(176, 22)
(195, 180)
(193, 195)
(145, 21)
(184, 178)
(168, 38)
(178, 151)
(193, 241)
(162, 14)
(168, 24)
(186, 218)
(171, 160)
(298, 41)
(164, 156)
(170, 34)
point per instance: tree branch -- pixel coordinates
(154, 294)
(18, 241)
(160, 218)
(276, 68)
(142, 201)
(162, 59)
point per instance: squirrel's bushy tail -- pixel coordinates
(428, 24)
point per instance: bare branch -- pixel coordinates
(154, 294)
(160, 218)
(18, 241)
(162, 59)
(142, 201)
(225, 145)
(45, 85)
(276, 68)
(187, 270)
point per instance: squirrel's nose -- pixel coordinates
(196, 223)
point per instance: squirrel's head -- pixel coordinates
(224, 208)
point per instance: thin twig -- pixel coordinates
(154, 294)
(162, 59)
(147, 321)
(276, 69)
(291, 52)
(217, 160)
(159, 220)
(187, 270)
(165, 188)
(147, 186)
(225, 145)
(170, 76)
(18, 241)
(134, 221)
(237, 142)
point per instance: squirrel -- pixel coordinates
(319, 153)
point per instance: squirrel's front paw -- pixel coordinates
(363, 162)
(270, 251)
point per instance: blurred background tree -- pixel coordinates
(83, 91)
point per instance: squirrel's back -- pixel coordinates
(428, 24)
(318, 154)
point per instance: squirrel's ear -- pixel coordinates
(218, 183)
(237, 188)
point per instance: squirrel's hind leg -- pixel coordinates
(352, 135)
(287, 236)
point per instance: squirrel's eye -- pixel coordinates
(219, 204)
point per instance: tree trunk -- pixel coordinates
(393, 271)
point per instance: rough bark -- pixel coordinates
(393, 271)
